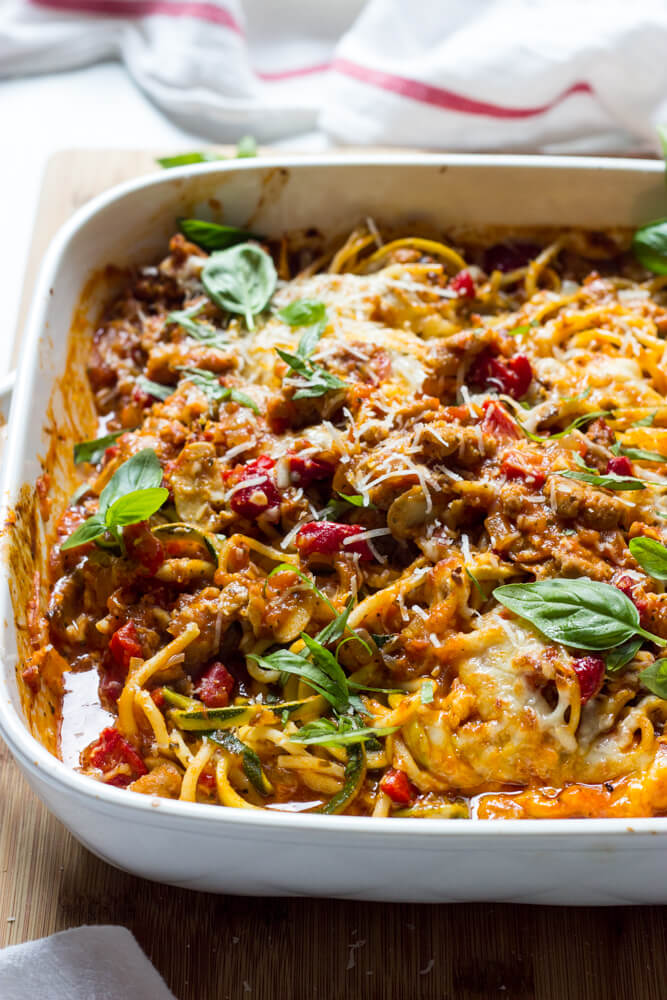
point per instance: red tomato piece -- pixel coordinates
(304, 471)
(516, 465)
(125, 644)
(590, 674)
(262, 496)
(157, 694)
(620, 465)
(628, 586)
(143, 546)
(110, 453)
(463, 285)
(215, 686)
(207, 780)
(112, 682)
(512, 376)
(110, 751)
(141, 397)
(328, 537)
(498, 422)
(398, 787)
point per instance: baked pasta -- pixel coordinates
(376, 532)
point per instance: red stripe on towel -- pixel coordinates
(447, 99)
(144, 8)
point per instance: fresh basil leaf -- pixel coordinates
(655, 678)
(577, 422)
(581, 612)
(638, 454)
(236, 396)
(649, 245)
(296, 363)
(327, 662)
(137, 506)
(427, 692)
(617, 658)
(309, 340)
(91, 529)
(335, 630)
(610, 481)
(213, 390)
(246, 147)
(646, 421)
(523, 328)
(84, 488)
(318, 383)
(357, 500)
(141, 472)
(184, 159)
(325, 733)
(155, 389)
(93, 451)
(203, 332)
(213, 236)
(291, 663)
(651, 556)
(303, 312)
(241, 280)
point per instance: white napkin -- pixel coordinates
(580, 75)
(88, 963)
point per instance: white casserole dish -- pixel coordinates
(227, 850)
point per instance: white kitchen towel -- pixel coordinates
(87, 963)
(581, 75)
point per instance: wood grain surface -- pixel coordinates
(226, 947)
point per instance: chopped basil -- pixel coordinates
(617, 658)
(155, 389)
(637, 454)
(212, 235)
(582, 613)
(203, 332)
(608, 481)
(577, 422)
(646, 421)
(523, 328)
(344, 732)
(303, 312)
(184, 159)
(214, 391)
(655, 678)
(133, 493)
(93, 451)
(649, 246)
(241, 280)
(252, 766)
(651, 556)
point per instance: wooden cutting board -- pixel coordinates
(222, 947)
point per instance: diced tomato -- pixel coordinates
(207, 779)
(517, 465)
(620, 465)
(110, 453)
(262, 496)
(628, 586)
(328, 537)
(215, 686)
(141, 397)
(110, 751)
(498, 422)
(304, 471)
(112, 682)
(398, 787)
(463, 285)
(143, 546)
(590, 674)
(125, 644)
(157, 694)
(512, 376)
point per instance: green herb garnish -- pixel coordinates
(617, 658)
(184, 159)
(132, 494)
(608, 481)
(214, 236)
(240, 280)
(649, 245)
(213, 390)
(637, 454)
(577, 422)
(651, 556)
(246, 147)
(654, 678)
(581, 612)
(343, 732)
(93, 451)
(155, 389)
(203, 332)
(252, 766)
